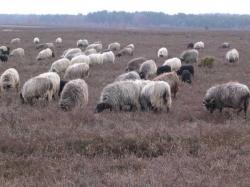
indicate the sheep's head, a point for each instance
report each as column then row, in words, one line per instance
column 102, row 106
column 209, row 104
column 142, row 75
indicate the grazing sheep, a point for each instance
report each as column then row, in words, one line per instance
column 4, row 50
column 225, row 45
column 232, row 95
column 96, row 46
column 90, row 51
column 45, row 46
column 60, row 66
column 108, row 57
column 232, row 56
column 172, row 79
column 199, row 45
column 95, row 59
column 36, row 88
column 189, row 56
column 62, row 84
column 58, row 42
column 125, row 51
column 17, row 52
column 132, row 46
column 36, row 40
column 82, row 43
column 163, row 69
column 9, row 79
column 55, row 79
column 74, row 93
column 15, row 41
column 188, row 67
column 162, row 52
column 135, row 63
column 76, row 71
column 80, row 59
column 156, row 96
column 174, row 63
column 118, row 95
column 186, row 76
column 132, row 75
column 70, row 53
column 147, row 69
column 115, row 46
column 45, row 54
column 190, row 45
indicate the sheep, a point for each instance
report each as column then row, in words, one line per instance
column 232, row 56
column 80, row 59
column 15, row 41
column 115, row 46
column 125, row 51
column 58, row 41
column 76, row 71
column 199, row 45
column 36, row 40
column 96, row 46
column 55, row 79
column 62, row 84
column 45, row 54
column 132, row 46
column 117, row 95
column 95, row 59
column 90, row 51
column 60, row 66
column 162, row 52
column 36, row 88
column 189, row 56
column 82, row 43
column 225, row 45
column 190, row 45
column 132, row 75
column 108, row 57
column 186, row 76
column 174, row 63
column 188, row 67
column 135, row 63
column 172, row 79
column 232, row 95
column 163, row 69
column 69, row 53
column 17, row 52
column 156, row 95
column 45, row 46
column 147, row 69
column 4, row 50
column 74, row 93
column 9, row 79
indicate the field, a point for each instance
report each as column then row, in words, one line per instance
column 41, row 145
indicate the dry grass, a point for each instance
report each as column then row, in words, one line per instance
column 43, row 146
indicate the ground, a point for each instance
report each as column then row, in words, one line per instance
column 41, row 145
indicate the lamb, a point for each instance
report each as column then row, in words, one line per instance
column 189, row 56
column 15, row 41
column 186, row 76
column 55, row 79
column 108, row 57
column 96, row 59
column 70, row 53
column 172, row 79
column 225, row 45
column 74, row 94
column 36, row 88
column 58, row 42
column 147, row 69
column 45, row 54
column 96, row 46
column 162, row 52
column 82, row 43
column 17, row 52
column 115, row 46
column 135, row 63
column 76, row 71
column 188, row 67
column 199, row 45
column 117, row 95
column 132, row 75
column 125, row 51
column 9, row 79
column 36, row 40
column 156, row 96
column 163, row 69
column 174, row 63
column 80, row 59
column 232, row 95
column 232, row 56
column 60, row 66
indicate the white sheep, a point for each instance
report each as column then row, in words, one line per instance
column 147, row 69
column 9, row 79
column 60, row 66
column 162, row 52
column 45, row 54
column 132, row 46
column 17, row 52
column 90, row 51
column 108, row 57
column 174, row 63
column 96, row 59
column 82, row 43
column 96, row 46
column 80, row 59
column 199, row 45
column 232, row 56
column 70, row 53
column 76, row 71
column 36, row 40
column 15, row 41
column 115, row 46
column 58, row 42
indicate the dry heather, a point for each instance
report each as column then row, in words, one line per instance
column 43, row 146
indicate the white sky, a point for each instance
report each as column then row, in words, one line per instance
column 86, row 6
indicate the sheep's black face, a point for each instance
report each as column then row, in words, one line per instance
column 142, row 75
column 102, row 106
column 210, row 105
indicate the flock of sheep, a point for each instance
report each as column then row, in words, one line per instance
column 143, row 86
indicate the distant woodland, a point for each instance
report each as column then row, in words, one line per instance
column 136, row 19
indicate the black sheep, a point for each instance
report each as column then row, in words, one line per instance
column 186, row 76
column 188, row 67
column 163, row 69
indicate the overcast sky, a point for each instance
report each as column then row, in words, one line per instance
column 86, row 6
